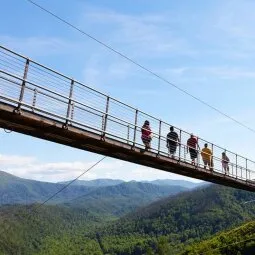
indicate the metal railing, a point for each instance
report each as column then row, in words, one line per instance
column 29, row 85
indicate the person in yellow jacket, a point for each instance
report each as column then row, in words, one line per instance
column 206, row 154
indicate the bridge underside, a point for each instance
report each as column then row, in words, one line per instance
column 48, row 129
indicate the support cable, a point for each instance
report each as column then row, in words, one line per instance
column 33, row 210
column 140, row 65
column 69, row 183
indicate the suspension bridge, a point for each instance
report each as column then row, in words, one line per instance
column 38, row 101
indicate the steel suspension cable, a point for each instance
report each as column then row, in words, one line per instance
column 69, row 183
column 140, row 65
column 33, row 210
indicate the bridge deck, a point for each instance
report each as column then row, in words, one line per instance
column 39, row 126
column 41, row 102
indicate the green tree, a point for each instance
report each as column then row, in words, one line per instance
column 163, row 246
column 149, row 251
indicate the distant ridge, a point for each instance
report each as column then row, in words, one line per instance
column 161, row 182
column 124, row 197
column 183, row 183
column 15, row 190
column 101, row 196
column 96, row 182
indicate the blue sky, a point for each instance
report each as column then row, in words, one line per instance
column 205, row 47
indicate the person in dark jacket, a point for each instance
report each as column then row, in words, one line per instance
column 172, row 141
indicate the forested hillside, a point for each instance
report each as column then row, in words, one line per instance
column 32, row 230
column 164, row 227
column 180, row 220
column 123, row 198
column 240, row 240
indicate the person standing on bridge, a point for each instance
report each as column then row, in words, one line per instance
column 172, row 141
column 224, row 162
column 146, row 135
column 192, row 146
column 206, row 154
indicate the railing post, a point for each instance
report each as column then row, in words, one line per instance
column 180, row 145
column 72, row 111
column 159, row 135
column 198, row 152
column 246, row 169
column 135, row 128
column 128, row 133
column 69, row 103
column 104, row 124
column 34, row 99
column 23, row 85
column 185, row 150
column 212, row 161
column 236, row 166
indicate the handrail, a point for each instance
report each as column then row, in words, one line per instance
column 27, row 83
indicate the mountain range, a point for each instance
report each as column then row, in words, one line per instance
column 96, row 182
column 123, row 219
column 123, row 198
column 174, row 225
column 15, row 190
column 112, row 182
column 102, row 196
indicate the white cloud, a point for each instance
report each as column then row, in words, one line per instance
column 34, row 46
column 236, row 19
column 227, row 31
column 31, row 168
column 15, row 161
column 140, row 37
column 113, row 71
column 146, row 35
column 222, row 72
column 231, row 73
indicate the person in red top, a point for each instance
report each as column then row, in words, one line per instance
column 192, row 146
column 146, row 135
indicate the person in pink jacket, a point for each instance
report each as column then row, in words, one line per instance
column 146, row 135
